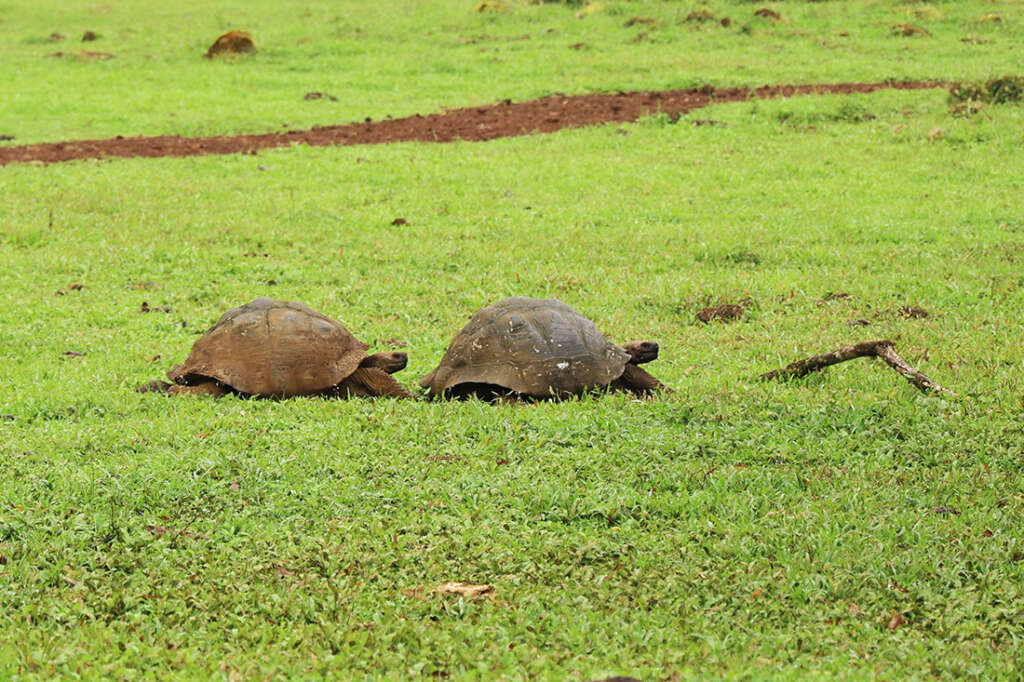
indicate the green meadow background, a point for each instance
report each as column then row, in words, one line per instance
column 842, row 526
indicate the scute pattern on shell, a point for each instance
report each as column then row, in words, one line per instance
column 273, row 348
column 534, row 347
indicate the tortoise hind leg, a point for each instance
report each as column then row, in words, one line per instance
column 638, row 381
column 154, row 387
column 211, row 388
column 369, row 382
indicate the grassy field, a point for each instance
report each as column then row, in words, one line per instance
column 406, row 57
column 844, row 525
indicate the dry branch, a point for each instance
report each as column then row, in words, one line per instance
column 885, row 350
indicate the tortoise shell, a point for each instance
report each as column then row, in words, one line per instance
column 273, row 348
column 533, row 347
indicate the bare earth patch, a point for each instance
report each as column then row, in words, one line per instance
column 472, row 124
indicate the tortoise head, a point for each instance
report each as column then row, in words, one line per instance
column 641, row 351
column 389, row 361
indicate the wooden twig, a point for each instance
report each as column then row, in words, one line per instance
column 886, row 350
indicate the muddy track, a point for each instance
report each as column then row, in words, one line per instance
column 505, row 119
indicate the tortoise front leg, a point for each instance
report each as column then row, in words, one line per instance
column 369, row 382
column 389, row 361
column 638, row 381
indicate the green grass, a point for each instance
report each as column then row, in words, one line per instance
column 409, row 56
column 733, row 529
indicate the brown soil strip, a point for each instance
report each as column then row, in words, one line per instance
column 505, row 119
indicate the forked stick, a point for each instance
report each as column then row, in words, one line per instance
column 879, row 349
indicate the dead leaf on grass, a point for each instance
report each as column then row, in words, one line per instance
column 896, row 620
column 464, row 589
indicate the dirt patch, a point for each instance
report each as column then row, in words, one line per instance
column 727, row 312
column 912, row 312
column 766, row 13
column 232, row 42
column 472, row 124
column 908, row 30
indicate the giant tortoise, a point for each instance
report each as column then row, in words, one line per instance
column 527, row 348
column 281, row 349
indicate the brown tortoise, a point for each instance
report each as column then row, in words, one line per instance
column 537, row 348
column 281, row 349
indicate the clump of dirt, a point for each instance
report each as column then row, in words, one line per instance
column 909, row 30
column 492, row 6
column 89, row 36
column 990, row 18
column 641, row 21
column 310, row 96
column 6, row 138
column 701, row 16
column 56, row 37
column 84, row 56
column 766, row 13
column 232, row 42
column 836, row 296
column 913, row 312
column 727, row 312
column 399, row 221
column 146, row 308
column 707, row 122
column 1001, row 90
